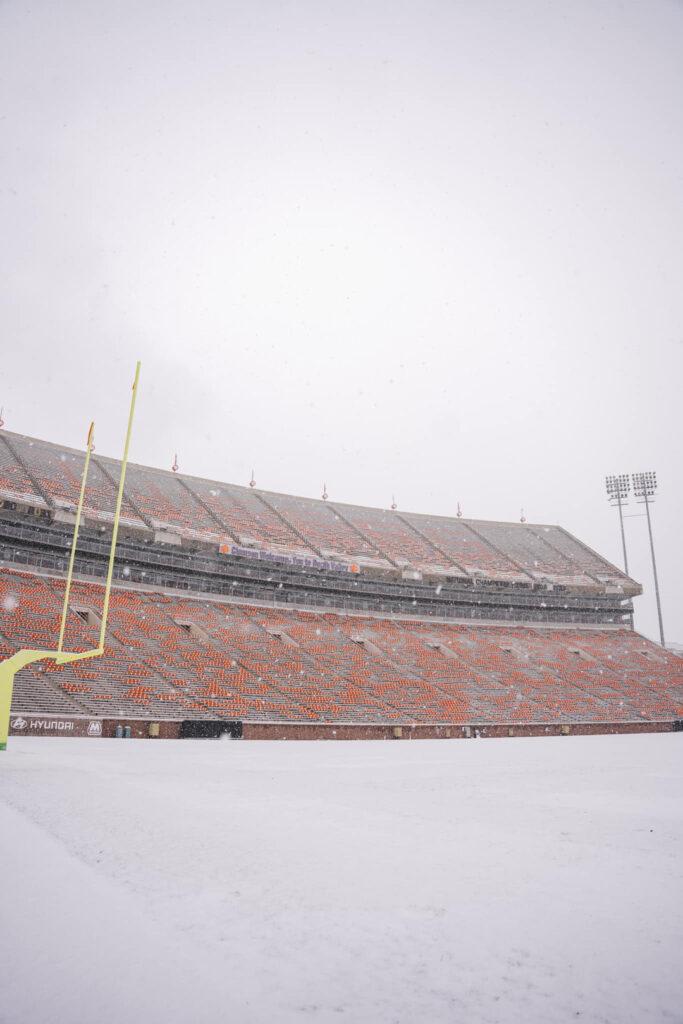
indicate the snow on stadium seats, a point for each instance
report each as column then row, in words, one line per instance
column 162, row 497
column 176, row 657
column 588, row 561
column 333, row 537
column 232, row 516
column 15, row 484
column 59, row 471
column 403, row 545
column 459, row 540
column 249, row 519
column 533, row 552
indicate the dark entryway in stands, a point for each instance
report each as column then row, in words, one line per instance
column 194, row 730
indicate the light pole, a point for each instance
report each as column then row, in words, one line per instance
column 644, row 487
column 618, row 488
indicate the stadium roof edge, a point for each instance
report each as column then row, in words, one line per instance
column 303, row 497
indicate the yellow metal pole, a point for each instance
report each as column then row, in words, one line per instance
column 73, row 545
column 7, row 669
column 124, row 463
column 10, row 666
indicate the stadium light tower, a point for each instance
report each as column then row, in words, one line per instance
column 644, row 487
column 618, row 488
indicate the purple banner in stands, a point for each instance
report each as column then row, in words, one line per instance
column 269, row 556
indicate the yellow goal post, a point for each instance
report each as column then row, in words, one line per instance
column 10, row 666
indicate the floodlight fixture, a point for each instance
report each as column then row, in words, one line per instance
column 618, row 487
column 644, row 484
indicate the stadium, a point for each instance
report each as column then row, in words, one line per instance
column 418, row 263
column 240, row 612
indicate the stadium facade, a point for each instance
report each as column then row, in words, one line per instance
column 267, row 615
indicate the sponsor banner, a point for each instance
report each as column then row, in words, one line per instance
column 269, row 556
column 29, row 725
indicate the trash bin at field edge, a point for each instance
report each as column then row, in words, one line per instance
column 119, row 732
column 153, row 731
column 126, row 732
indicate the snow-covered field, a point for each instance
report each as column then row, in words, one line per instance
column 525, row 880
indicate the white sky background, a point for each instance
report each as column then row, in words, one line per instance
column 425, row 249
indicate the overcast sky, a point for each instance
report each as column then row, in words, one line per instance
column 430, row 250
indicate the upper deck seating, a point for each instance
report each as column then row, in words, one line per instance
column 327, row 530
column 588, row 561
column 249, row 518
column 466, row 548
column 164, row 500
column 532, row 553
column 14, row 482
column 223, row 513
column 60, row 473
column 403, row 545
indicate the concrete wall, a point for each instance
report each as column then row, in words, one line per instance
column 296, row 731
column 95, row 728
column 139, row 728
column 90, row 727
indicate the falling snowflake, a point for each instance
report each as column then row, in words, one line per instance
column 9, row 603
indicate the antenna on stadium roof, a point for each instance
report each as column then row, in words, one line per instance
column 522, row 517
column 644, row 487
column 459, row 512
column 325, row 494
column 252, row 482
column 175, row 467
column 394, row 506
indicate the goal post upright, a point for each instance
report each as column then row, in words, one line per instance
column 79, row 510
column 119, row 499
column 10, row 666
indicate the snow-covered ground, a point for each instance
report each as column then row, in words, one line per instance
column 525, row 880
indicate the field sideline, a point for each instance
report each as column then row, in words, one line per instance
column 535, row 880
